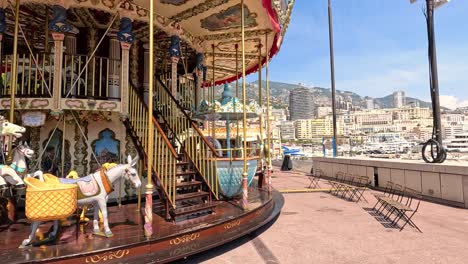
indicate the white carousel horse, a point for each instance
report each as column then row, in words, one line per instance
column 104, row 179
column 11, row 172
column 10, row 129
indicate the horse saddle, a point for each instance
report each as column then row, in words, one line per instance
column 87, row 186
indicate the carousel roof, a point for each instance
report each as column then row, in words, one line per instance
column 201, row 24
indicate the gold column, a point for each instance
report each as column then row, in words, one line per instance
column 260, row 99
column 245, row 202
column 149, row 185
column 14, row 74
column 268, row 128
column 46, row 30
column 213, row 123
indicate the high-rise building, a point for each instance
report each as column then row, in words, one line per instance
column 370, row 103
column 399, row 99
column 301, row 104
column 287, row 130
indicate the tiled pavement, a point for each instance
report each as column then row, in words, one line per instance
column 321, row 228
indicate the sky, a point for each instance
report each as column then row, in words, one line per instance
column 380, row 47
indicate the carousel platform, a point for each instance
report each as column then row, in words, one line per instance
column 170, row 241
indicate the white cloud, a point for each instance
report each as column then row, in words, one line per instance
column 452, row 102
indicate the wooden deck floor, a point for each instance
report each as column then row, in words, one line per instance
column 129, row 241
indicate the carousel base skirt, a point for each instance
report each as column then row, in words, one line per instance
column 170, row 241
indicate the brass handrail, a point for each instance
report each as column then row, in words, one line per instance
column 190, row 138
column 165, row 157
column 162, row 82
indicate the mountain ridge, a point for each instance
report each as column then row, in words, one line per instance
column 279, row 95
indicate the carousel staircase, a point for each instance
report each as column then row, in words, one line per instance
column 186, row 193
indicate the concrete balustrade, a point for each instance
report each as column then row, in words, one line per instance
column 445, row 183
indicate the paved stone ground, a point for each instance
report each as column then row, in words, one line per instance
column 321, row 228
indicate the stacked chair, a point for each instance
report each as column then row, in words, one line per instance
column 314, row 178
column 399, row 203
column 350, row 187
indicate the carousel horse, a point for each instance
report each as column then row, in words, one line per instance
column 11, row 172
column 74, row 175
column 10, row 129
column 104, row 180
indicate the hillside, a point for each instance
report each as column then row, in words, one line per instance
column 279, row 94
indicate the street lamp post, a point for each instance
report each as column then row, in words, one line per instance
column 438, row 154
column 332, row 71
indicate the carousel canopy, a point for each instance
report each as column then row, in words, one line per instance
column 203, row 25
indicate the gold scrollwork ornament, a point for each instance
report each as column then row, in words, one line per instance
column 107, row 256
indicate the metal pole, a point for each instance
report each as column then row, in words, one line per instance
column 433, row 68
column 46, row 29
column 268, row 128
column 332, row 68
column 213, row 123
column 14, row 74
column 149, row 185
column 260, row 101
column 245, row 202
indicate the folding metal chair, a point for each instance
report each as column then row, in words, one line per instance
column 334, row 183
column 361, row 186
column 402, row 211
column 387, row 192
column 315, row 178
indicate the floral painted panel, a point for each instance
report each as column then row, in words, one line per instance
column 229, row 18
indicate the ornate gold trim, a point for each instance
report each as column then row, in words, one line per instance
column 232, row 224
column 107, row 256
column 184, row 239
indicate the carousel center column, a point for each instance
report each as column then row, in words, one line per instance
column 146, row 72
column 198, row 75
column 70, row 59
column 114, row 67
column 126, row 38
column 58, row 26
column 174, row 52
column 3, row 27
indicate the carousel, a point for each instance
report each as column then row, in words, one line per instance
column 126, row 131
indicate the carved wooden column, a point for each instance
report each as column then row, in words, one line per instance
column 58, row 26
column 126, row 38
column 174, row 51
column 146, row 72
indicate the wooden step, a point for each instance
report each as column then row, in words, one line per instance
column 193, row 209
column 188, row 183
column 182, row 163
column 192, row 195
column 183, row 173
